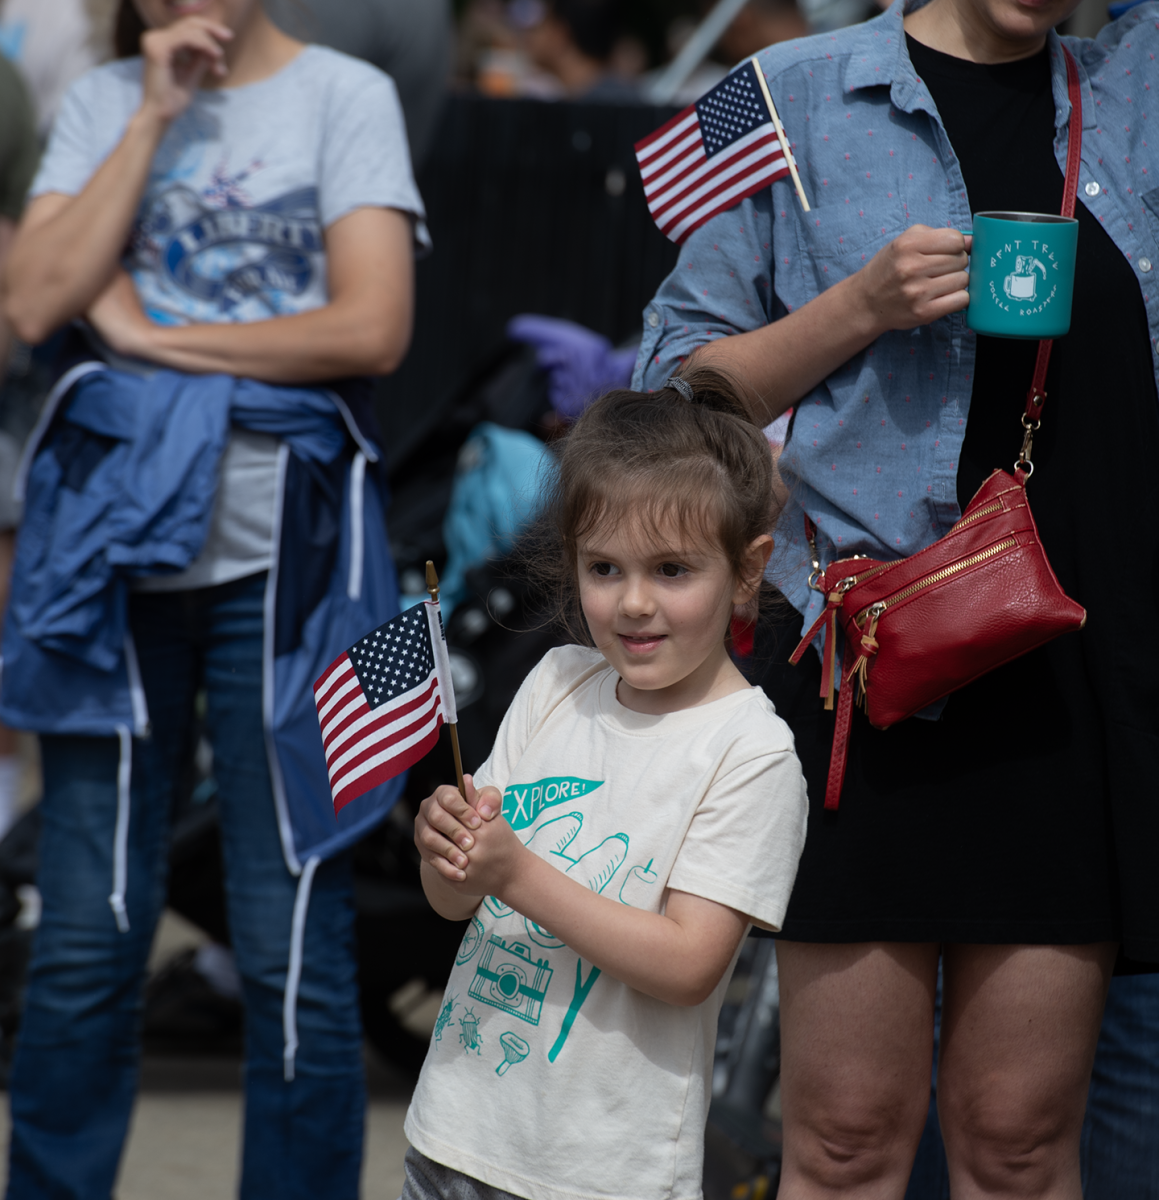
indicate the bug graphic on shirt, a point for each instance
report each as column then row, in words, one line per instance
column 470, row 1037
column 444, row 1018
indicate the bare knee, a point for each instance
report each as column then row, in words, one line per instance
column 847, row 1146
column 1007, row 1143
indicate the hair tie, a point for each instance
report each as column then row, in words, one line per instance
column 680, row 385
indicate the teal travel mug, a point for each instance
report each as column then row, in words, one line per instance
column 1022, row 274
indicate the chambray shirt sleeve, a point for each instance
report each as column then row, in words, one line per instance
column 722, row 284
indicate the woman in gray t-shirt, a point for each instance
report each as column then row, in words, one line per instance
column 228, row 201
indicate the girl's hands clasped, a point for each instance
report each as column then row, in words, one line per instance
column 467, row 842
column 176, row 62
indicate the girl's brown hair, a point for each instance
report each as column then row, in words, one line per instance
column 656, row 459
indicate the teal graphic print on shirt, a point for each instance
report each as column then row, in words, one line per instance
column 507, row 978
column 444, row 1018
column 578, row 997
column 470, row 1037
column 523, row 802
column 594, row 868
column 514, row 975
column 635, row 888
column 515, row 1050
column 471, row 942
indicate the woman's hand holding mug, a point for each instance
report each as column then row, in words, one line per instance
column 916, row 279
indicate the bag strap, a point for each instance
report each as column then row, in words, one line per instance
column 1036, row 397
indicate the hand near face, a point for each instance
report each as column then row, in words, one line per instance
column 177, row 59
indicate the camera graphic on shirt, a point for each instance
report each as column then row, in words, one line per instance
column 508, row 979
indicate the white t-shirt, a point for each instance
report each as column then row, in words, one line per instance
column 546, row 1078
column 230, row 225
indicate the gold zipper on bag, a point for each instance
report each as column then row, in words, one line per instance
column 982, row 512
column 937, row 577
column 851, row 581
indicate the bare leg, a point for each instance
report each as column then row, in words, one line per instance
column 1019, row 1028
column 857, row 1032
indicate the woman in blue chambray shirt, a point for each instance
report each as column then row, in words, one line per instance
column 1013, row 835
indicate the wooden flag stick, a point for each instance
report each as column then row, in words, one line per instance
column 433, row 588
column 780, row 133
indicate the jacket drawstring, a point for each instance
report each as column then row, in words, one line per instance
column 357, row 532
column 121, row 834
column 294, row 973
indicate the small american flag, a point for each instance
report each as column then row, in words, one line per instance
column 712, row 155
column 380, row 704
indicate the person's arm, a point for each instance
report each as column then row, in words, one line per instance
column 917, row 279
column 469, row 851
column 69, row 247
column 364, row 329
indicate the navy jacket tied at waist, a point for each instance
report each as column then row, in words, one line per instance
column 121, row 485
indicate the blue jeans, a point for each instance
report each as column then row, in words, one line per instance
column 1120, row 1138
column 1121, row 1133
column 75, row 1073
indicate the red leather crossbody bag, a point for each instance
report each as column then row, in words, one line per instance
column 921, row 627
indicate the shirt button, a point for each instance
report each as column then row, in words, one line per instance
column 653, row 319
column 1092, row 188
column 1144, row 265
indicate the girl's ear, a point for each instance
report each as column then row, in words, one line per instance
column 755, row 560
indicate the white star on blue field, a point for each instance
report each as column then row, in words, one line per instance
column 733, row 109
column 395, row 657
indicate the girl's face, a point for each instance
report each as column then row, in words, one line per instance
column 659, row 613
column 233, row 13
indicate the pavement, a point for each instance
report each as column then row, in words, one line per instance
column 184, row 1143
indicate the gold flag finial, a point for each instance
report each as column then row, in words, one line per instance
column 432, row 581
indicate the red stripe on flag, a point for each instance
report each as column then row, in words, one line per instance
column 370, row 753
column 685, row 150
column 332, row 737
column 705, row 214
column 642, row 147
column 387, row 770
column 692, row 162
column 678, row 222
column 729, row 172
column 326, row 679
column 704, row 168
column 330, row 685
column 385, row 754
column 385, row 728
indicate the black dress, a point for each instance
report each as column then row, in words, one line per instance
column 1030, row 812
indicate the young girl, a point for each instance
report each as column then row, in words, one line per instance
column 643, row 805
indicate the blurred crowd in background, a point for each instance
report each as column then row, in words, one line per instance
column 591, row 49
